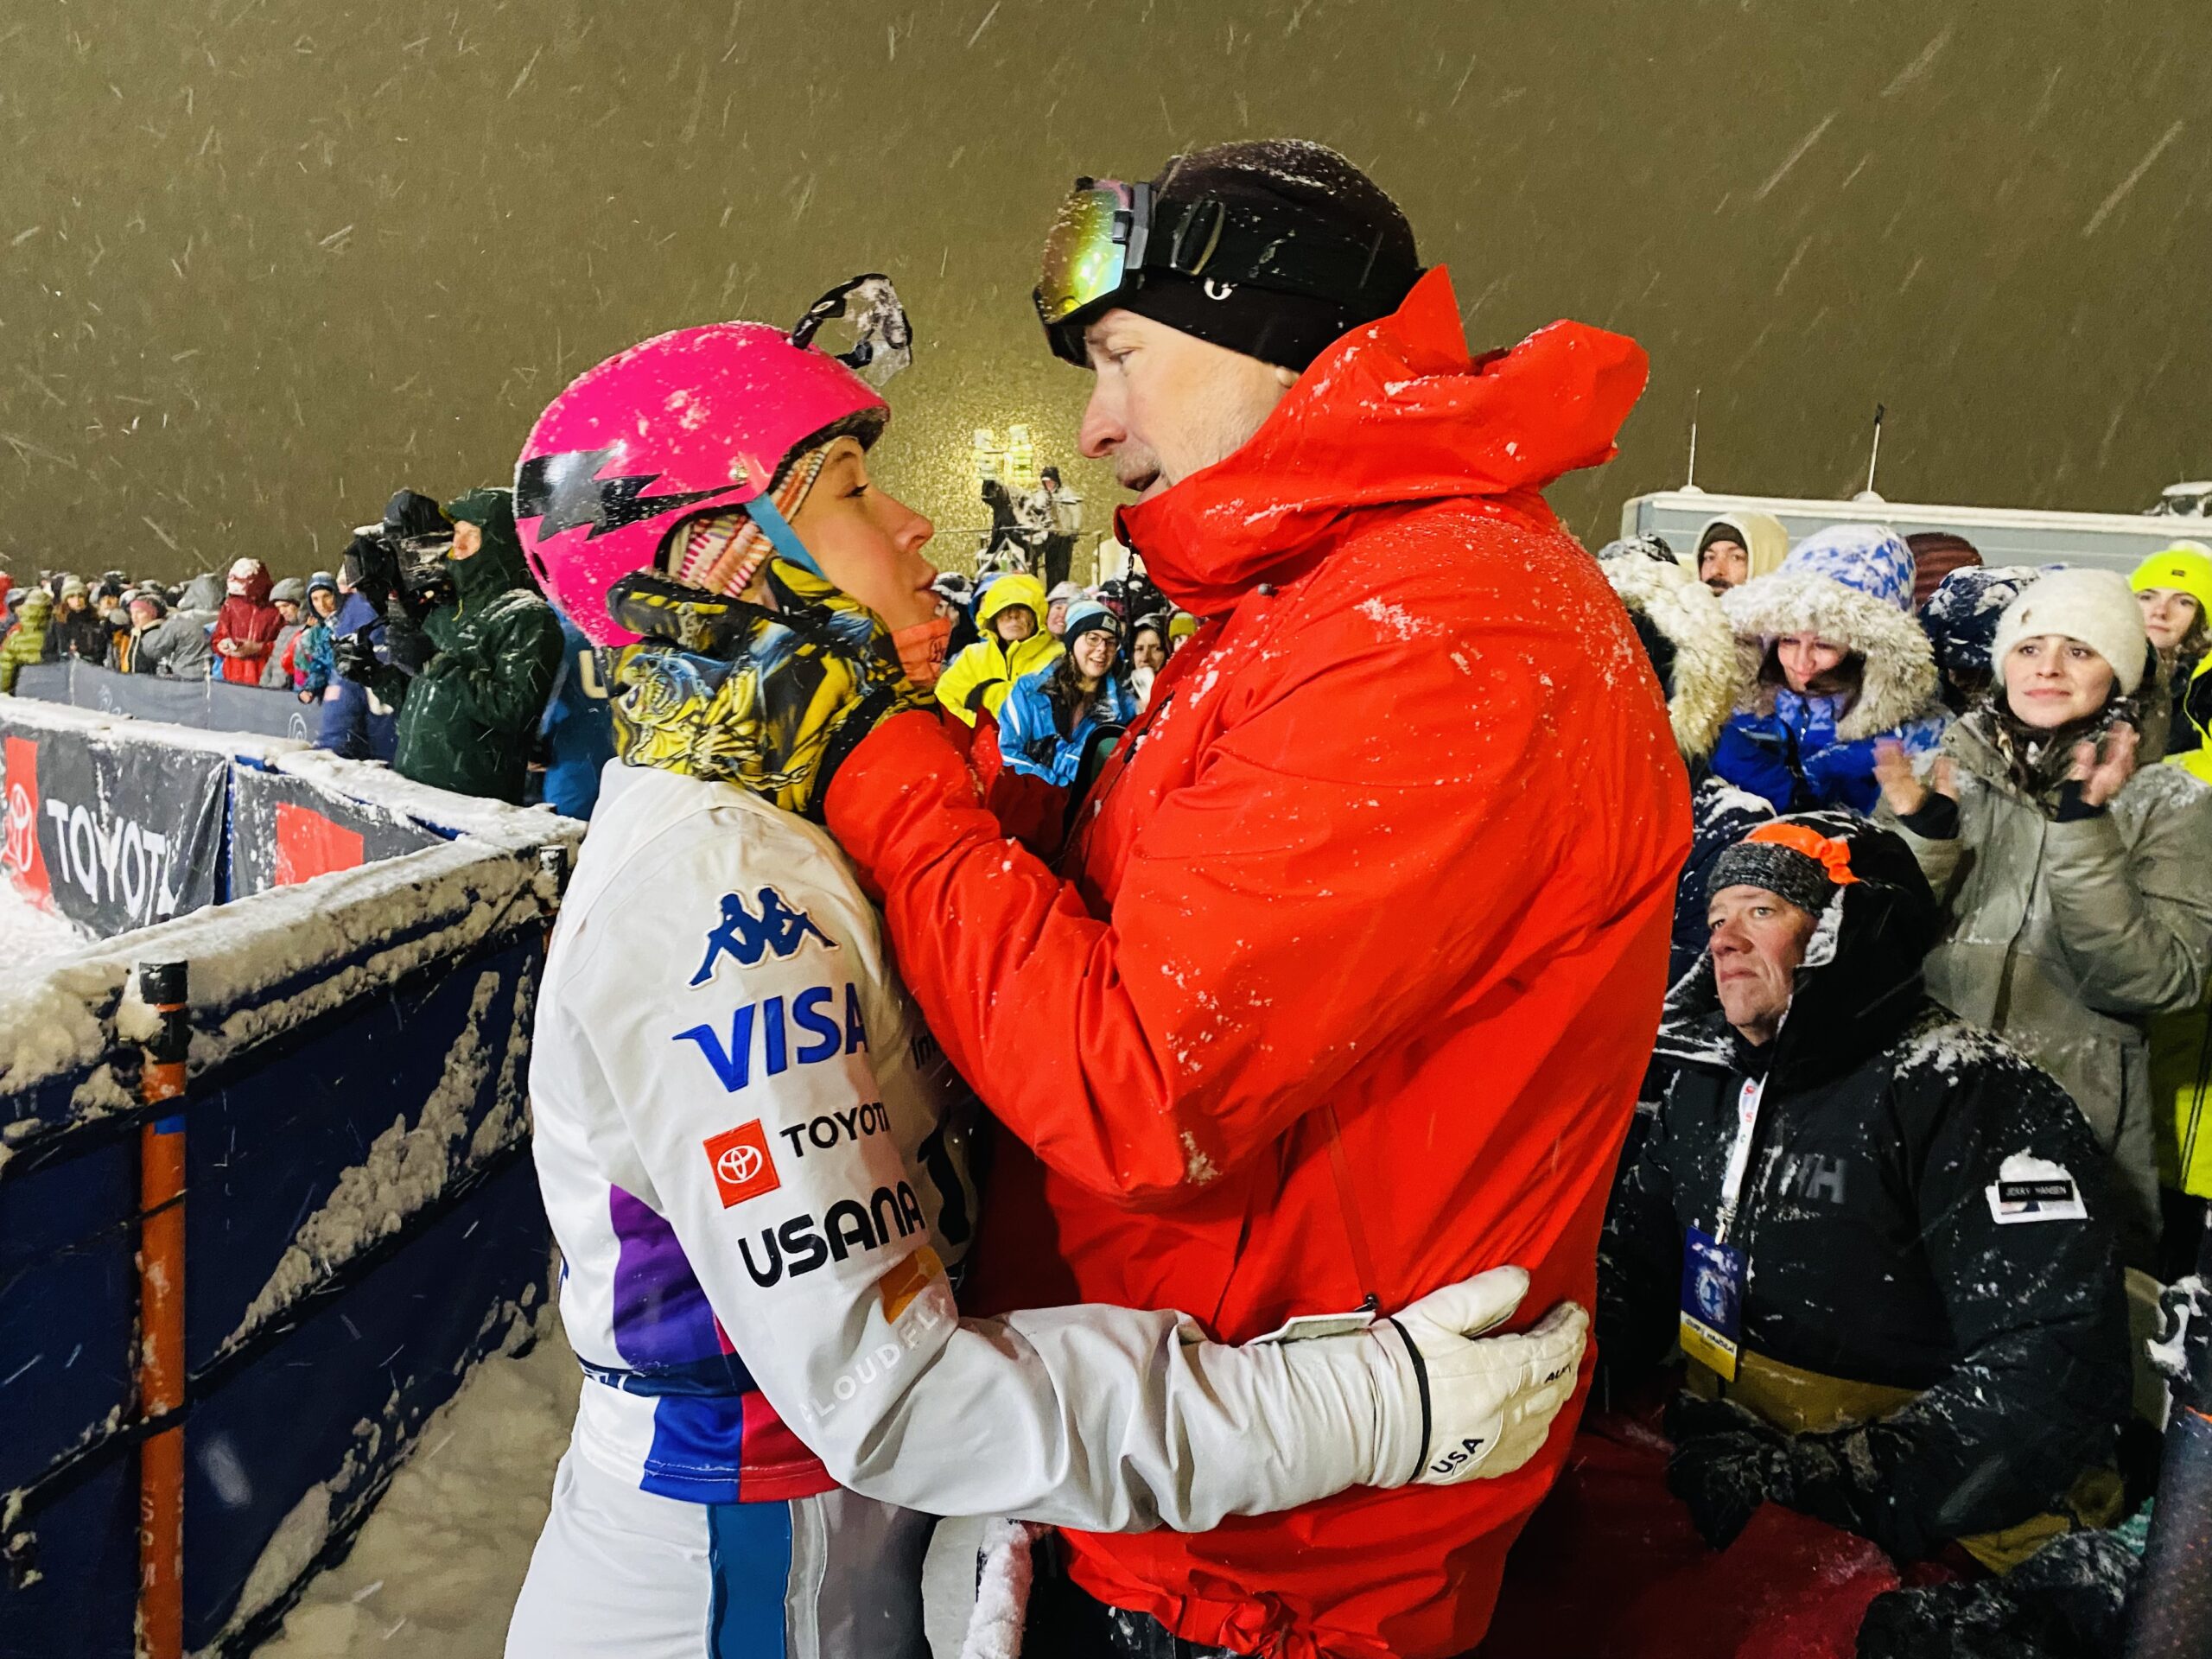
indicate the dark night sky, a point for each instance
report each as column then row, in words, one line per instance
column 261, row 261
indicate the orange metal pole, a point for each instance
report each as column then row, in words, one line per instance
column 160, row 1320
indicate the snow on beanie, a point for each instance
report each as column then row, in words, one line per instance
column 1873, row 559
column 1789, row 858
column 1271, row 324
column 1652, row 547
column 1961, row 616
column 2095, row 607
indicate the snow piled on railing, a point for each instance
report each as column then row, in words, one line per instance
column 263, row 965
column 434, row 809
column 100, row 725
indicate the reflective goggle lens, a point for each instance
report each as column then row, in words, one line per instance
column 1084, row 256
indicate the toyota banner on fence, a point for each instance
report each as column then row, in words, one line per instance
column 114, row 835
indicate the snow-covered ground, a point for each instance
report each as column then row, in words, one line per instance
column 433, row 1573
column 29, row 935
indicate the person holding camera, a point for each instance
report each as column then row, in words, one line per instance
column 472, row 648
column 2072, row 864
column 358, row 722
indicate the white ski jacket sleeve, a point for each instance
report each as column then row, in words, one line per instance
column 721, row 1009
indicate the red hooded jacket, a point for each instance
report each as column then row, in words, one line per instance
column 1356, row 959
column 248, row 618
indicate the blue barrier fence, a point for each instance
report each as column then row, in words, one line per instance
column 207, row 704
column 362, row 1222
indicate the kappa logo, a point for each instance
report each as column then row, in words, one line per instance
column 742, row 1167
column 778, row 930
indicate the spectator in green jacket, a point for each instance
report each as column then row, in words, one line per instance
column 27, row 643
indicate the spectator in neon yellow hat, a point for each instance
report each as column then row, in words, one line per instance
column 2175, row 590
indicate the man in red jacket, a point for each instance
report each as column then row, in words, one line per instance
column 1344, row 985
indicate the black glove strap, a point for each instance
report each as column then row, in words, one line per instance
column 1420, row 1382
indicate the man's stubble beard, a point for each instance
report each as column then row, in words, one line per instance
column 1216, row 433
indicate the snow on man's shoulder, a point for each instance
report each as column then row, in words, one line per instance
column 1953, row 1051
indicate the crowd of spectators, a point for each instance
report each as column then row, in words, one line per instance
column 443, row 664
column 1925, row 1136
column 241, row 625
column 430, row 648
column 1052, row 680
column 1924, row 1139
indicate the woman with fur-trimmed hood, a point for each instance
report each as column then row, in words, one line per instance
column 1842, row 665
column 1704, row 674
column 1687, row 635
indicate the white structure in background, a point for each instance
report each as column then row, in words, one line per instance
column 2114, row 541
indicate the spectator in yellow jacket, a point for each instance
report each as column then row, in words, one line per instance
column 1015, row 643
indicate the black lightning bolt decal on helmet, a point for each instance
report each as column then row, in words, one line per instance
column 566, row 491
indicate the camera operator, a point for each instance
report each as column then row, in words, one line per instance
column 360, row 706
column 471, row 649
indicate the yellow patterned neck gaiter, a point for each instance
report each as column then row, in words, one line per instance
column 734, row 692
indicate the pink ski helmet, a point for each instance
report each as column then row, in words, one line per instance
column 694, row 421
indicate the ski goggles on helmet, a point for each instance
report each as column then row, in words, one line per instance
column 1109, row 235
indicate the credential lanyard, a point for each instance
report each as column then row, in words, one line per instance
column 1739, row 1155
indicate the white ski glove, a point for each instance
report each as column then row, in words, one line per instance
column 1490, row 1401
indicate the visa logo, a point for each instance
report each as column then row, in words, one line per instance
column 765, row 1029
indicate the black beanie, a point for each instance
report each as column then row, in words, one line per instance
column 1787, row 875
column 1801, row 859
column 1270, row 324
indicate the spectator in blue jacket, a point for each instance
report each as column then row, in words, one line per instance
column 355, row 723
column 1052, row 717
column 578, row 728
column 1842, row 664
column 311, row 656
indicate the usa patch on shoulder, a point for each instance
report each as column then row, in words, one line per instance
column 2034, row 1189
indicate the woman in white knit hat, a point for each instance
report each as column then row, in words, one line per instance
column 2074, row 867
